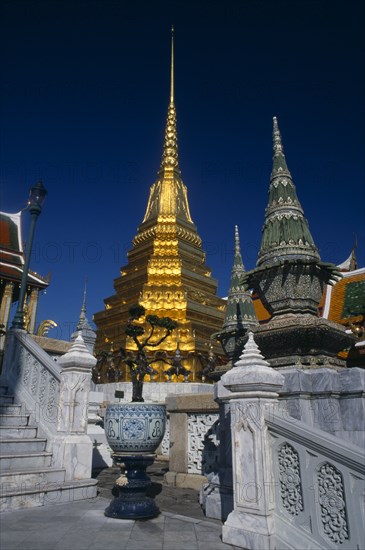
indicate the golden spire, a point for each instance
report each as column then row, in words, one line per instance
column 172, row 66
column 168, row 195
column 170, row 153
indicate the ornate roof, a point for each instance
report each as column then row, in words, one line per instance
column 285, row 234
column 350, row 264
column 11, row 252
column 344, row 302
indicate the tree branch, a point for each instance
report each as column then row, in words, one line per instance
column 155, row 344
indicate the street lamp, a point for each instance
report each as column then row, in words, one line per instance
column 36, row 199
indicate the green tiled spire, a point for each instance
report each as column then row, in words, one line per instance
column 285, row 234
column 240, row 313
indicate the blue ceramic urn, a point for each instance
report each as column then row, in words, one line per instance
column 135, row 427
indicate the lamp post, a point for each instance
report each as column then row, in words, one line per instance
column 36, row 199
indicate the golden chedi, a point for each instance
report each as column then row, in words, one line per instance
column 166, row 271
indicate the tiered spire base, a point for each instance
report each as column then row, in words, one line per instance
column 303, row 341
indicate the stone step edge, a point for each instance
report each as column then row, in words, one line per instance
column 14, row 415
column 23, row 439
column 25, row 454
column 5, row 427
column 26, row 416
column 41, row 470
column 51, row 487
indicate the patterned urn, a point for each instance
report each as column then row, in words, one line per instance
column 136, row 428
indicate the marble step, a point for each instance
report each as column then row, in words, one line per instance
column 14, row 419
column 28, row 445
column 23, row 461
column 22, row 432
column 48, row 494
column 10, row 409
column 30, row 478
column 5, row 399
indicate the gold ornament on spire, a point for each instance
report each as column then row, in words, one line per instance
column 170, row 153
column 168, row 195
column 172, row 66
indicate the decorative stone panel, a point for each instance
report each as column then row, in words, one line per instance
column 165, row 445
column 203, row 442
column 332, row 503
column 290, row 481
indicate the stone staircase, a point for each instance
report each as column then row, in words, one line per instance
column 27, row 477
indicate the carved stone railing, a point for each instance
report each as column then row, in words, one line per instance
column 294, row 486
column 319, row 486
column 56, row 396
column 34, row 379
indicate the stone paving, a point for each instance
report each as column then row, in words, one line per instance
column 168, row 499
column 83, row 526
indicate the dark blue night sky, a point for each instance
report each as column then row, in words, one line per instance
column 84, row 97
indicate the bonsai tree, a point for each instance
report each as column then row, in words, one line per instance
column 139, row 364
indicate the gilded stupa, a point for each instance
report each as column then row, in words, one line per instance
column 166, row 271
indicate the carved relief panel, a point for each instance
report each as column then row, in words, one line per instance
column 203, row 441
column 290, row 480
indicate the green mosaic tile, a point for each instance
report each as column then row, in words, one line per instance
column 354, row 301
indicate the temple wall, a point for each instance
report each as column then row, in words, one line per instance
column 152, row 391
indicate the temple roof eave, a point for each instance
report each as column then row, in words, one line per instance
column 14, row 273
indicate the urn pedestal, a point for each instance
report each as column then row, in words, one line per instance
column 134, row 431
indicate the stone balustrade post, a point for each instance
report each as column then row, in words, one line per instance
column 252, row 387
column 72, row 447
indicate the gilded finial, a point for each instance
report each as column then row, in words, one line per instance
column 278, row 146
column 236, row 241
column 172, row 66
column 170, row 152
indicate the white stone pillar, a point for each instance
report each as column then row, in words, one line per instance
column 253, row 387
column 72, row 447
